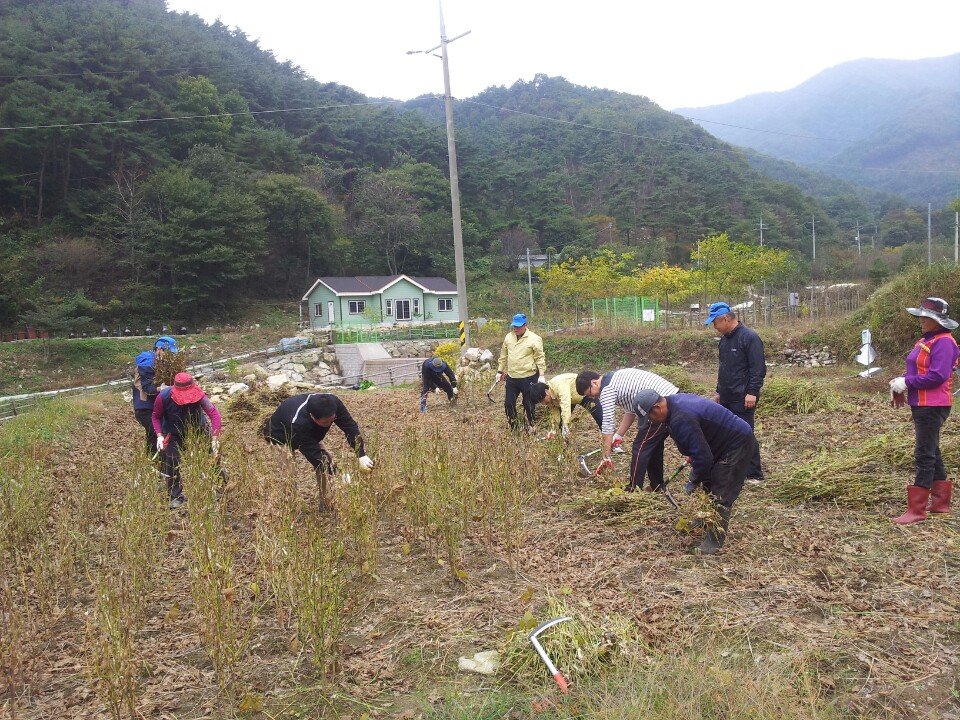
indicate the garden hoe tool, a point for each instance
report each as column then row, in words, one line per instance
column 557, row 675
column 490, row 391
column 584, row 471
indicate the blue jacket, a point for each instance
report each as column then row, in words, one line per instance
column 704, row 430
column 144, row 390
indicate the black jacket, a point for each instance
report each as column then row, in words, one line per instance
column 742, row 366
column 291, row 422
column 428, row 373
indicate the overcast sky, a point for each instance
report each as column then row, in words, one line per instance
column 678, row 53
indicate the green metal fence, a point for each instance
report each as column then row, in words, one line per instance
column 635, row 309
column 410, row 332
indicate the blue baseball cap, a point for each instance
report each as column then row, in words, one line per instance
column 519, row 320
column 165, row 342
column 716, row 310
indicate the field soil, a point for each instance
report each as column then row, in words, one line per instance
column 871, row 608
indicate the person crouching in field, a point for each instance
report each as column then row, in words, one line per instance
column 177, row 410
column 718, row 444
column 436, row 373
column 926, row 385
column 302, row 422
column 560, row 395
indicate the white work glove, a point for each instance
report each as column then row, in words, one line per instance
column 499, row 376
column 617, row 442
column 898, row 384
column 542, row 379
column 160, row 443
column 437, row 391
column 366, row 464
column 215, row 445
column 456, row 391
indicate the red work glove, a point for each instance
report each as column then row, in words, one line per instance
column 550, row 435
column 606, row 464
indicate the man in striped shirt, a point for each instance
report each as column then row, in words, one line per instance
column 618, row 388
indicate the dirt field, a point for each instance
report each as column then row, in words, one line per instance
column 871, row 607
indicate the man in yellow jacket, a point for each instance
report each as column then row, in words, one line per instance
column 560, row 394
column 521, row 364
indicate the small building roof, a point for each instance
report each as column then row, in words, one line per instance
column 373, row 284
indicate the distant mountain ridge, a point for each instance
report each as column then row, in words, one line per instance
column 892, row 125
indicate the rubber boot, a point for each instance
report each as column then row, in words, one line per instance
column 716, row 534
column 917, row 499
column 940, row 494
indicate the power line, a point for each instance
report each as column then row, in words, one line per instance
column 54, row 126
column 31, row 76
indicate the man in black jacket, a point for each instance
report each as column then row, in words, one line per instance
column 741, row 372
column 302, row 422
column 432, row 374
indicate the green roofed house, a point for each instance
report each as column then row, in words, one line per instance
column 364, row 300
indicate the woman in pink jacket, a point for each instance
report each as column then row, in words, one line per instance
column 927, row 384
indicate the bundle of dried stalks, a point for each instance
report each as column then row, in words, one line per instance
column 861, row 475
column 166, row 366
column 258, row 403
column 798, row 396
column 583, row 647
column 698, row 512
column 617, row 507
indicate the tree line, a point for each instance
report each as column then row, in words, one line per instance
column 153, row 165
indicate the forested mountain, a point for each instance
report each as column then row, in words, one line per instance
column 152, row 166
column 892, row 125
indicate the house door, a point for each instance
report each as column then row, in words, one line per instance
column 330, row 318
column 402, row 309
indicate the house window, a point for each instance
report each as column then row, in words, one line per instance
column 445, row 304
column 318, row 309
column 416, row 306
column 357, row 307
column 390, row 307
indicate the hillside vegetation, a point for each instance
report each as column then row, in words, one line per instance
column 152, row 166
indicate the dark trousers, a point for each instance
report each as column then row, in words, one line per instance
column 927, row 460
column 593, row 407
column 647, row 456
column 519, row 387
column 431, row 381
column 729, row 472
column 171, row 466
column 754, row 470
column 145, row 418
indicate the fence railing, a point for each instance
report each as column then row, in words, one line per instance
column 13, row 405
column 413, row 332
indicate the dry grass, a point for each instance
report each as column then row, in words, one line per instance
column 463, row 535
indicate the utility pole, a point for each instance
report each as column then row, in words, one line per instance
column 762, row 228
column 530, row 282
column 858, row 237
column 956, row 238
column 813, row 230
column 454, row 181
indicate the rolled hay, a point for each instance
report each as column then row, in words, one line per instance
column 860, row 475
column 797, row 396
column 581, row 648
column 617, row 507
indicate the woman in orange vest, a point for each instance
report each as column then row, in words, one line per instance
column 926, row 388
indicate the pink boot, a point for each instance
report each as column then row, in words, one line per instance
column 940, row 496
column 917, row 499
